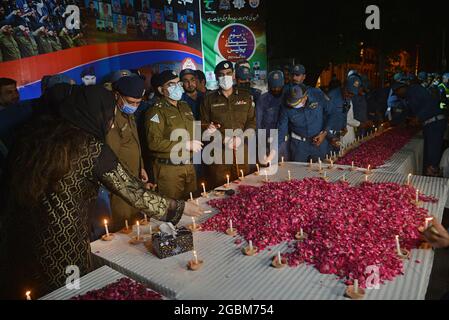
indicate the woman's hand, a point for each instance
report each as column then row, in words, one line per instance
column 191, row 209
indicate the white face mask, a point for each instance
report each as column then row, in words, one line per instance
column 89, row 80
column 226, row 82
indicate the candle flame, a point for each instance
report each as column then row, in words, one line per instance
column 105, row 221
column 137, row 223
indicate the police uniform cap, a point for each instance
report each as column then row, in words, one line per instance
column 298, row 70
column 354, row 84
column 166, row 76
column 186, row 72
column 120, row 74
column 276, row 79
column 133, row 86
column 224, row 65
column 422, row 75
column 295, row 95
column 88, row 72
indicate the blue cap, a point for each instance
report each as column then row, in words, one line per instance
column 354, row 84
column 446, row 76
column 90, row 71
column 57, row 79
column 224, row 65
column 298, row 70
column 276, row 79
column 133, row 86
column 400, row 77
column 295, row 95
column 243, row 73
column 186, row 72
column 120, row 74
column 422, row 76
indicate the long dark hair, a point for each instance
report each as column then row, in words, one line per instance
column 43, row 154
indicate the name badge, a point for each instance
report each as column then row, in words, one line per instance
column 218, row 105
column 240, row 103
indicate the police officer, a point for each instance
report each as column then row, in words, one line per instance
column 191, row 95
column 172, row 166
column 268, row 109
column 228, row 108
column 341, row 103
column 8, row 46
column 124, row 141
column 26, row 42
column 43, row 40
column 54, row 41
column 298, row 74
column 397, row 111
column 243, row 77
column 422, row 78
column 423, row 106
column 309, row 117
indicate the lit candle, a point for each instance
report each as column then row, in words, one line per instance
column 332, row 163
column 28, row 295
column 301, row 233
column 230, row 225
column 352, row 164
column 289, row 175
column 311, row 163
column 204, row 188
column 258, row 168
column 369, row 168
column 251, row 245
column 356, row 286
column 106, row 227
column 194, row 223
column 227, row 179
column 126, row 224
column 195, row 257
column 366, row 178
column 325, row 174
column 282, row 160
column 398, row 246
column 409, row 179
column 266, row 175
column 321, row 166
column 138, row 230
column 279, row 257
column 191, row 196
column 243, row 175
column 417, row 196
column 327, row 157
column 428, row 220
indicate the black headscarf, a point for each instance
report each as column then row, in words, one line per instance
column 90, row 108
column 53, row 99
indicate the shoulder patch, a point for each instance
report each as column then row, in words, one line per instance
column 155, row 119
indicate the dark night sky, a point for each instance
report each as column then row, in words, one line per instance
column 309, row 30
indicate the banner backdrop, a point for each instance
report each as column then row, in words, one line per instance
column 46, row 37
column 234, row 30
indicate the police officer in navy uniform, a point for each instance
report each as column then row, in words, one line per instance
column 268, row 109
column 309, row 117
column 422, row 105
column 243, row 77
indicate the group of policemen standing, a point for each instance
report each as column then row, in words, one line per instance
column 311, row 123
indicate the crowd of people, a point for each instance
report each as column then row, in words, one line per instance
column 59, row 150
column 29, row 28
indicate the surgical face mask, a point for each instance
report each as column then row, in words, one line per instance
column 127, row 108
column 226, row 82
column 175, row 92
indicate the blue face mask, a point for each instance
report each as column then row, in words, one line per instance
column 175, row 92
column 127, row 108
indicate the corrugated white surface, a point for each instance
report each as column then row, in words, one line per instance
column 227, row 274
column 408, row 160
column 95, row 280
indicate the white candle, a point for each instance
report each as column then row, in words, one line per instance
column 195, row 257
column 332, row 163
column 28, row 295
column 301, row 233
column 151, row 230
column 344, row 177
column 428, row 220
column 145, row 218
column 369, row 168
column 258, row 168
column 289, row 175
column 126, row 224
column 366, row 178
column 311, row 162
column 197, row 202
column 204, row 188
column 243, row 175
column 398, row 246
column 106, row 227
column 325, row 174
column 352, row 164
column 356, row 286
column 227, row 179
column 251, row 245
column 230, row 225
column 327, row 157
column 194, row 223
column 279, row 257
column 191, row 196
column 409, row 179
column 282, row 160
column 138, row 230
column 266, row 176
column 417, row 196
column 321, row 166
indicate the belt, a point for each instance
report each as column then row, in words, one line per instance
column 434, row 119
column 170, row 163
column 298, row 137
